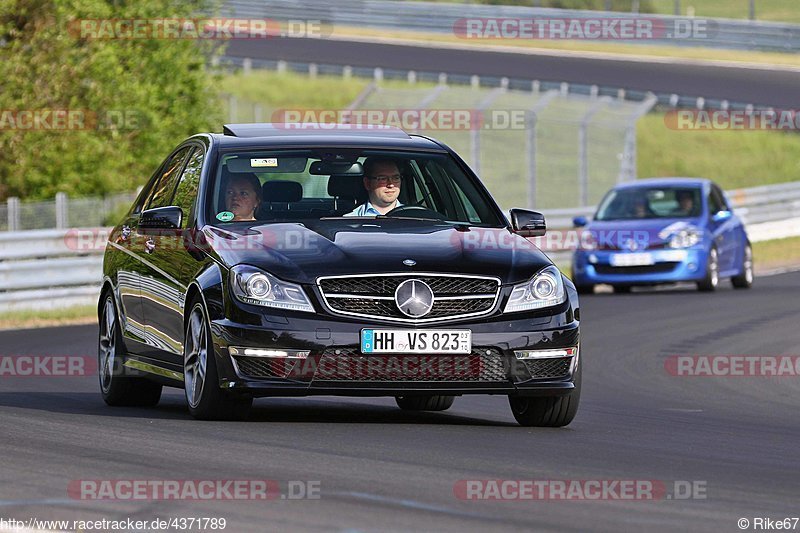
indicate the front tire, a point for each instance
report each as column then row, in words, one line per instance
column 548, row 411
column 206, row 400
column 117, row 389
column 745, row 279
column 711, row 280
column 424, row 403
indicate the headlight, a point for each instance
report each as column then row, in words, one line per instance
column 685, row 238
column 545, row 289
column 253, row 286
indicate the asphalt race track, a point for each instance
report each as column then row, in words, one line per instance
column 382, row 469
column 774, row 88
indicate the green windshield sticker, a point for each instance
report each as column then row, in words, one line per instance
column 225, row 216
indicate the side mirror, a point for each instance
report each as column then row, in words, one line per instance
column 721, row 216
column 528, row 223
column 161, row 218
column 580, row 222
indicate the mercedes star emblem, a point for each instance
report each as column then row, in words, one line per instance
column 414, row 298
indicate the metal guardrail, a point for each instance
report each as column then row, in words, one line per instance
column 56, row 268
column 441, row 18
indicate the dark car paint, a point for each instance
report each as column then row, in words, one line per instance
column 153, row 291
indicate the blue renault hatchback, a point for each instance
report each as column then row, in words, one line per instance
column 663, row 230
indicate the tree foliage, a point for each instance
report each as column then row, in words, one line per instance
column 147, row 95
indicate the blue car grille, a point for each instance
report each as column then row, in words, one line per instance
column 658, row 268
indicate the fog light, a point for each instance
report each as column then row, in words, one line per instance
column 593, row 259
column 545, row 354
column 692, row 267
column 261, row 352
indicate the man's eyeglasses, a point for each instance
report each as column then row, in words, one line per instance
column 394, row 179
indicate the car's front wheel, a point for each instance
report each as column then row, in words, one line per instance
column 207, row 401
column 711, row 280
column 745, row 279
column 547, row 411
column 116, row 388
column 424, row 403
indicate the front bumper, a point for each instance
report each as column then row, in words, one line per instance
column 331, row 362
column 668, row 266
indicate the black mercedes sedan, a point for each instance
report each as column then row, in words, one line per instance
column 277, row 260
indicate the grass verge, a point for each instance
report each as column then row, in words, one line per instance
column 776, row 254
column 42, row 318
column 734, row 159
column 766, row 10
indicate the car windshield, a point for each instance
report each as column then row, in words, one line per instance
column 650, row 202
column 296, row 185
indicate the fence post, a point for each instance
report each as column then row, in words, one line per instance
column 627, row 169
column 233, row 109
column 61, row 211
column 530, row 142
column 247, row 66
column 313, row 69
column 13, row 214
column 476, row 123
column 257, row 113
column 347, row 72
column 583, row 150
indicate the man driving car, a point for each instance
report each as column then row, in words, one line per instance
column 382, row 179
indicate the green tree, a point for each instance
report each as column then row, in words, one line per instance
column 147, row 95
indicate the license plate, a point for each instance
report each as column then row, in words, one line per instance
column 454, row 341
column 629, row 260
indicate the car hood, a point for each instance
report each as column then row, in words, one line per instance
column 302, row 252
column 653, row 231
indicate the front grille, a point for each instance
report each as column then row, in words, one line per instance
column 557, row 367
column 387, row 308
column 658, row 268
column 373, row 296
column 386, row 285
column 350, row 365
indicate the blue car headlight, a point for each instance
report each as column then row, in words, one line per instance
column 254, row 286
column 685, row 238
column 545, row 289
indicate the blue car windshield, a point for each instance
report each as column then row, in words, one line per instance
column 650, row 202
